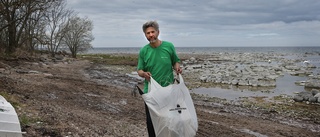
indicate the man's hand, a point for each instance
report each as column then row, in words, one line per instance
column 177, row 68
column 145, row 75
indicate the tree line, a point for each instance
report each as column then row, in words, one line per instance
column 30, row 25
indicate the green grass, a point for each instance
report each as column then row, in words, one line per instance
column 27, row 120
column 112, row 59
column 10, row 99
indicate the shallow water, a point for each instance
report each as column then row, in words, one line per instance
column 284, row 86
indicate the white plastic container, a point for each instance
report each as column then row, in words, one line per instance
column 9, row 121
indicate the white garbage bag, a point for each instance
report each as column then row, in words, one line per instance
column 171, row 109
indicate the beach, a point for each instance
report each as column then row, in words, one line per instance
column 90, row 97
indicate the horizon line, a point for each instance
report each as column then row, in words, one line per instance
column 225, row 47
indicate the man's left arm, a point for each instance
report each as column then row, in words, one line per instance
column 176, row 60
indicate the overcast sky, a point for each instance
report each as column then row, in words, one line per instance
column 204, row 23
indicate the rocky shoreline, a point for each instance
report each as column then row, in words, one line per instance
column 252, row 69
column 255, row 70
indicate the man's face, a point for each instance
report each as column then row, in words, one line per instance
column 151, row 34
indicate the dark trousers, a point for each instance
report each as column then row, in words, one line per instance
column 149, row 123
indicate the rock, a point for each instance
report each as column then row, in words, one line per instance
column 43, row 59
column 304, row 96
column 196, row 66
column 22, row 71
column 300, row 83
column 34, row 64
column 135, row 76
column 234, row 82
column 242, row 82
column 47, row 74
column 203, row 78
column 192, row 58
column 2, row 70
column 317, row 96
column 298, row 98
column 273, row 77
column 43, row 65
column 301, row 73
column 312, row 83
column 33, row 72
column 59, row 57
column 314, row 92
column 292, row 67
column 311, row 66
column 313, row 99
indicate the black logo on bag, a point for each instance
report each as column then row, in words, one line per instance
column 178, row 108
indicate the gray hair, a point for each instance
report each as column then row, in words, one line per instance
column 148, row 24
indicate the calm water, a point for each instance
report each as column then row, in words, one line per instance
column 214, row 50
column 285, row 84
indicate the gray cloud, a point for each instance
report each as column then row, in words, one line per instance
column 205, row 22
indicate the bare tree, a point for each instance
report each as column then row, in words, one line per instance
column 78, row 35
column 56, row 17
column 15, row 16
column 25, row 24
column 11, row 19
column 34, row 29
column 3, row 37
column 15, row 13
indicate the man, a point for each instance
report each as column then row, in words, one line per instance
column 157, row 59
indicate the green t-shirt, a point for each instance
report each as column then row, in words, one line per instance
column 159, row 62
